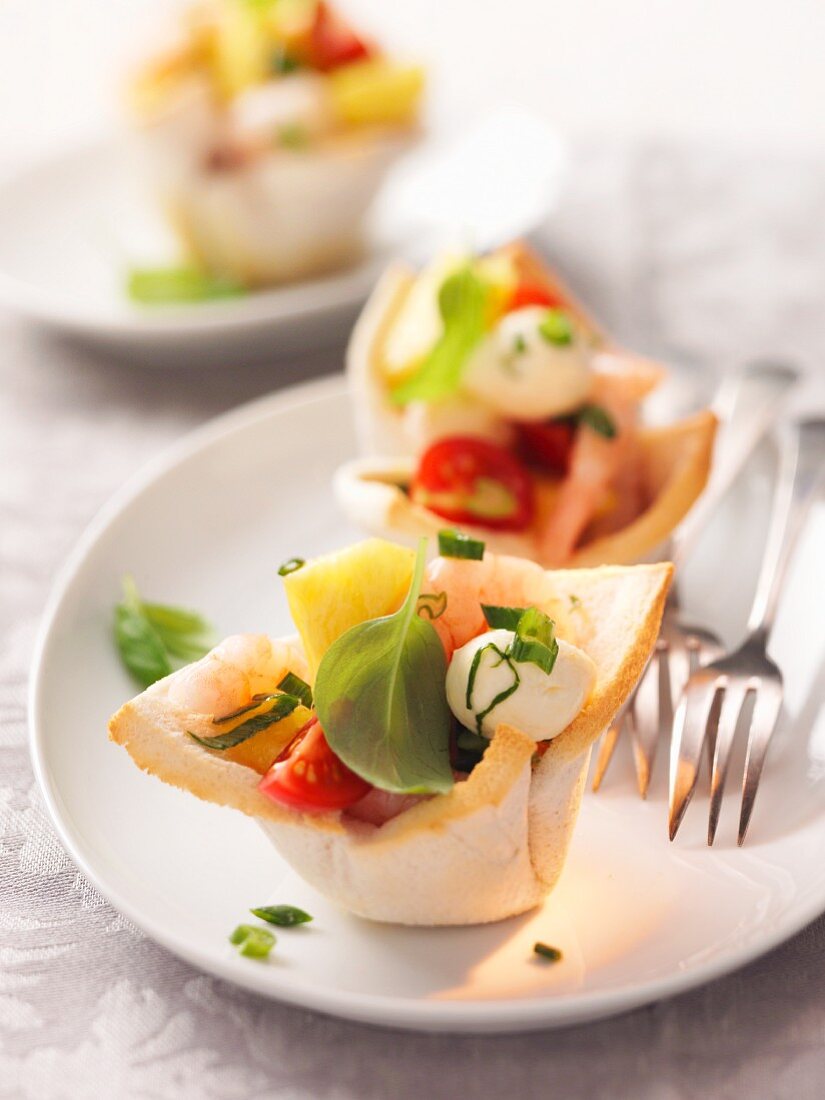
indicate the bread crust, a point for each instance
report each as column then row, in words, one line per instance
column 491, row 847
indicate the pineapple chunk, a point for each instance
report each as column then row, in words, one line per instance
column 332, row 593
column 241, row 48
column 376, row 92
column 260, row 751
column 418, row 324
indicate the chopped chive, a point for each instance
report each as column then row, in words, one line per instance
column 575, row 602
column 432, row 604
column 503, row 658
column 291, row 566
column 452, row 544
column 519, row 344
column 284, row 916
column 502, row 618
column 295, row 686
column 552, row 954
column 556, row 328
column 535, row 640
column 253, row 942
column 598, row 419
column 282, row 707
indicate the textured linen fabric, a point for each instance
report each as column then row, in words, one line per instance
column 704, row 258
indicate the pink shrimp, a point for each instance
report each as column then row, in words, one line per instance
column 598, row 463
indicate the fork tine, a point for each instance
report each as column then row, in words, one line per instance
column 651, row 701
column 607, row 747
column 729, row 714
column 763, row 723
column 689, row 730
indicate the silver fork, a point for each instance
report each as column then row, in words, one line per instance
column 748, row 404
column 715, row 696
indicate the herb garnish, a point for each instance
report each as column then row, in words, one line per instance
column 293, row 136
column 502, row 618
column 519, row 344
column 575, row 602
column 153, row 638
column 254, row 942
column 462, row 303
column 281, row 706
column 599, row 419
column 291, row 565
column 294, row 685
column 382, row 703
column 452, row 544
column 556, row 328
column 432, row 604
column 535, row 640
column 165, row 286
column 504, row 657
column 552, row 954
column 284, row 916
column 284, row 62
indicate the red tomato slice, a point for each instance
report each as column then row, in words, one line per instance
column 533, row 294
column 469, row 480
column 547, row 444
column 333, row 42
column 309, row 776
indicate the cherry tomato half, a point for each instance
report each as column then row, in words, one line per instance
column 309, row 776
column 547, row 444
column 333, row 42
column 533, row 294
column 469, row 480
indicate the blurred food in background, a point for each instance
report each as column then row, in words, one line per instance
column 265, row 133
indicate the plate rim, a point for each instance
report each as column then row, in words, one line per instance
column 272, row 306
column 487, row 1015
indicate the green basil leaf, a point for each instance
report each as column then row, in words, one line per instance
column 462, row 302
column 179, row 285
column 599, row 419
column 141, row 649
column 284, row 916
column 294, row 685
column 382, row 703
column 282, row 707
column 502, row 618
column 535, row 640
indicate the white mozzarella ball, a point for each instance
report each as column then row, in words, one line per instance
column 520, row 373
column 541, row 706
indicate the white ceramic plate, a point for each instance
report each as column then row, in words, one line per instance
column 637, row 918
column 71, row 228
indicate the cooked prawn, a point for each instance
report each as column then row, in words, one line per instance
column 242, row 665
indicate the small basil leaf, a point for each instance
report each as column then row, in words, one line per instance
column 382, row 702
column 284, row 916
column 141, row 649
column 462, row 302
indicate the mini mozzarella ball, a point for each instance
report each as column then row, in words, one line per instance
column 425, row 422
column 299, row 101
column 542, row 705
column 522, row 375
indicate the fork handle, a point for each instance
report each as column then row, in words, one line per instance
column 801, row 470
column 748, row 404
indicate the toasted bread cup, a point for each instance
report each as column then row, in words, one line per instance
column 490, row 848
column 269, row 218
column 675, row 460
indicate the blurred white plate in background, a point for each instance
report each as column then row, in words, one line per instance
column 636, row 917
column 72, row 227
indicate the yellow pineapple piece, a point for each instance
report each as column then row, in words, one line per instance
column 376, row 92
column 241, row 48
column 334, row 592
column 261, row 750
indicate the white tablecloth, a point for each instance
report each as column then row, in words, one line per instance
column 702, row 258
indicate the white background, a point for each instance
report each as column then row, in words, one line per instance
column 745, row 72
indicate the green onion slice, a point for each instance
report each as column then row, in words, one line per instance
column 432, row 605
column 502, row 618
column 535, row 640
column 282, row 707
column 547, row 952
column 598, row 419
column 284, row 916
column 294, row 685
column 254, row 942
column 291, row 566
column 452, row 544
column 556, row 328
